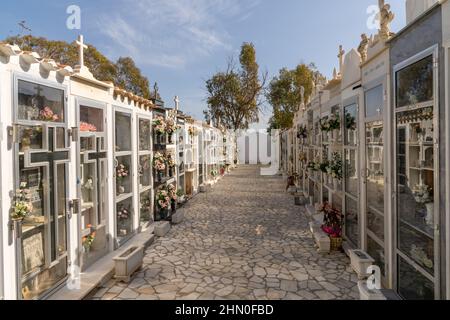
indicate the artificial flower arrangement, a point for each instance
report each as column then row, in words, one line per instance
column 162, row 199
column 302, row 132
column 333, row 219
column 121, row 172
column 48, row 115
column 331, row 123
column 350, row 122
column 325, row 167
column 171, row 126
column 214, row 173
column 336, row 166
column 89, row 240
column 87, row 127
column 172, row 192
column 159, row 125
column 171, row 162
column 22, row 204
column 123, row 213
column 159, row 162
column 314, row 166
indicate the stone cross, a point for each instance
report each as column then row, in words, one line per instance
column 341, row 59
column 177, row 103
column 81, row 47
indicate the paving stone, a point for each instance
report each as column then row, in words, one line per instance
column 244, row 239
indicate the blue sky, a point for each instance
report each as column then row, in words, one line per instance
column 181, row 43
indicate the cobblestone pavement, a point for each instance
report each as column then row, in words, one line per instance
column 244, row 239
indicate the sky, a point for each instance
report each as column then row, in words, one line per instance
column 181, row 43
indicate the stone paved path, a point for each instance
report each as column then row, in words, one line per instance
column 245, row 239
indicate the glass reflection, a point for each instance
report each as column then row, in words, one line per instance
column 350, row 127
column 375, row 165
column 351, row 220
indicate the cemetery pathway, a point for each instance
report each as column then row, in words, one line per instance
column 244, row 239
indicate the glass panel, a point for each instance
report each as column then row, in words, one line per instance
column 88, row 195
column 91, row 119
column 144, row 135
column 123, row 175
column 375, row 165
column 123, row 132
column 61, row 198
column 124, row 218
column 351, row 125
column 351, row 221
column 103, row 188
column 350, row 173
column 30, row 138
column 377, row 253
column 412, row 285
column 87, row 143
column 146, row 208
column 145, row 171
column 60, row 138
column 375, row 223
column 415, row 83
column 415, row 204
column 43, row 282
column 40, row 103
column 374, row 102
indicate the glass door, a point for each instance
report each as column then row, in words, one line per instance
column 374, row 181
column 351, row 176
column 417, row 196
column 42, row 154
column 123, row 176
column 145, row 171
column 92, row 173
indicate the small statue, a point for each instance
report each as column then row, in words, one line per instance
column 363, row 46
column 156, row 91
column 386, row 17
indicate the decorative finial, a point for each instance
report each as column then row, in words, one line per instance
column 341, row 59
column 386, row 17
column 363, row 47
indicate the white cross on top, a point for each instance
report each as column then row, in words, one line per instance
column 81, row 47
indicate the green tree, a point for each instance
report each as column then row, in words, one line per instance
column 129, row 77
column 124, row 73
column 285, row 93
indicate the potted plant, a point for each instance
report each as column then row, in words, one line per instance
column 336, row 168
column 332, row 225
column 335, row 125
column 159, row 164
column 23, row 206
column 89, row 240
column 163, row 203
column 121, row 173
column 172, row 193
column 180, row 196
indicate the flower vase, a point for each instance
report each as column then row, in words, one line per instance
column 163, row 214
column 170, row 138
column 335, row 134
column 171, row 172
column 311, row 201
column 159, row 174
column 173, row 206
column 121, row 189
column 429, row 219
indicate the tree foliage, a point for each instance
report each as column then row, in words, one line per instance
column 233, row 96
column 284, row 93
column 124, row 73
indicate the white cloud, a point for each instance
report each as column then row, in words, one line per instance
column 171, row 33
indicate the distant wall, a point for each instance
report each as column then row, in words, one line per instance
column 255, row 147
